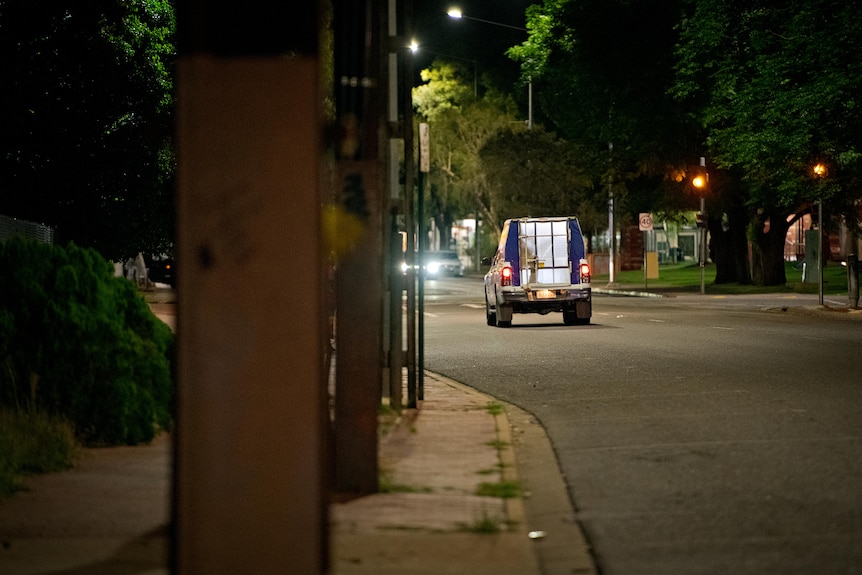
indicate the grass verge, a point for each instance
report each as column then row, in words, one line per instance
column 686, row 277
column 32, row 443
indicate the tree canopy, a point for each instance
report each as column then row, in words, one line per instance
column 460, row 125
column 763, row 92
column 86, row 144
column 776, row 90
column 601, row 70
column 483, row 157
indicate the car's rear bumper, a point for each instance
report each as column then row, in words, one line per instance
column 543, row 300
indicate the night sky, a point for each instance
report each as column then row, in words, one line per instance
column 469, row 39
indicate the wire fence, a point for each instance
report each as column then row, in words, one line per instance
column 13, row 227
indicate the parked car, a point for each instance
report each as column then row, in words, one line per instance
column 161, row 269
column 443, row 264
column 539, row 267
column 438, row 264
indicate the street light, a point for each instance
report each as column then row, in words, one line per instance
column 700, row 181
column 456, row 14
column 819, row 170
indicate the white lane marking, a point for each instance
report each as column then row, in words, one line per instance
column 473, row 305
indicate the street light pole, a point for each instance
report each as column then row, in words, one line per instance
column 819, row 173
column 458, row 15
column 820, row 251
column 703, row 247
column 700, row 182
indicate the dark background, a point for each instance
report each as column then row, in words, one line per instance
column 471, row 40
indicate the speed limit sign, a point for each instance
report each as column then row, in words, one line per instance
column 645, row 222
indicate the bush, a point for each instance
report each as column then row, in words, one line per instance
column 79, row 343
column 32, row 443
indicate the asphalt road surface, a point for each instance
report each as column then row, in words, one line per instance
column 697, row 434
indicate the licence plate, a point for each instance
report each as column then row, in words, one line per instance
column 545, row 294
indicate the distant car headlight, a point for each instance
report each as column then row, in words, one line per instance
column 404, row 267
column 433, row 267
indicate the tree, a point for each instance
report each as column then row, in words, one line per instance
column 87, row 125
column 460, row 126
column 776, row 89
column 445, row 88
column 532, row 172
column 600, row 71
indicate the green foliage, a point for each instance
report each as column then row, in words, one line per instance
column 80, row 343
column 532, row 172
column 487, row 524
column 32, row 443
column 495, row 408
column 601, row 70
column 445, row 88
column 502, row 490
column 777, row 90
column 86, row 144
column 686, row 278
column 460, row 128
column 762, row 91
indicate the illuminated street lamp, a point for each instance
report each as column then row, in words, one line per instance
column 456, row 14
column 700, row 182
column 819, row 170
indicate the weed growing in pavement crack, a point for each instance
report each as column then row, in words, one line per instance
column 498, row 445
column 486, row 524
column 387, row 485
column 495, row 408
column 503, row 489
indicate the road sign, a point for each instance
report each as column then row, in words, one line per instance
column 424, row 149
column 645, row 222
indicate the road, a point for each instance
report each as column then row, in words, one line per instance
column 697, row 434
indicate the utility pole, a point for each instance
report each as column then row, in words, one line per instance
column 251, row 409
column 359, row 100
column 409, row 207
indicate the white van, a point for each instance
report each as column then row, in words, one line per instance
column 540, row 267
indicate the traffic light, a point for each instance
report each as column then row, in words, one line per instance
column 700, row 219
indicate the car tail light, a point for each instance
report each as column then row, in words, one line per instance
column 506, row 276
column 584, row 269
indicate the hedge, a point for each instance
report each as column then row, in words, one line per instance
column 77, row 342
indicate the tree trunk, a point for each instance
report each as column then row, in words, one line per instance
column 729, row 247
column 768, row 255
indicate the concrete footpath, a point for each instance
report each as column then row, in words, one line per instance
column 442, row 468
column 433, row 519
